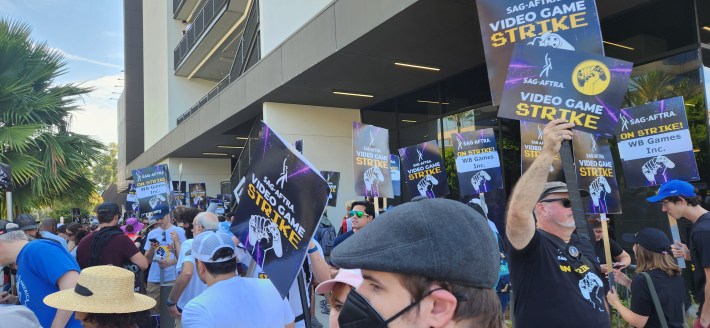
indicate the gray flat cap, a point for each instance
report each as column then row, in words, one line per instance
column 436, row 238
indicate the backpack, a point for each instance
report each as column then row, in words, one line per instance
column 503, row 285
column 327, row 238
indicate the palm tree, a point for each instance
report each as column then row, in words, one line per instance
column 49, row 163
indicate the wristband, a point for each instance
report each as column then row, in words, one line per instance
column 312, row 250
column 170, row 302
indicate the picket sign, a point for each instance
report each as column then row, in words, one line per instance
column 573, row 189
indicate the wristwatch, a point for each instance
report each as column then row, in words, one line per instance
column 170, row 302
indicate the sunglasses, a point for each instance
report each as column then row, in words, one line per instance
column 565, row 201
column 359, row 214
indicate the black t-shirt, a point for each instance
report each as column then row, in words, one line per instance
column 700, row 255
column 548, row 291
column 615, row 249
column 671, row 295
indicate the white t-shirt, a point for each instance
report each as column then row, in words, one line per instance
column 163, row 237
column 195, row 286
column 238, row 302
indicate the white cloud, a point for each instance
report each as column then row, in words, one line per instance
column 69, row 56
column 99, row 116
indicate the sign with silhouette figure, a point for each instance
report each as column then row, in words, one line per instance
column 424, row 170
column 371, row 161
column 596, row 176
column 152, row 187
column 655, row 145
column 477, row 162
column 281, row 200
column 545, row 84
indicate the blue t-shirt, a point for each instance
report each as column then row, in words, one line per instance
column 49, row 235
column 40, row 264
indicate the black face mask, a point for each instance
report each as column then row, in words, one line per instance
column 358, row 312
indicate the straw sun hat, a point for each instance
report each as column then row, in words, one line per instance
column 101, row 289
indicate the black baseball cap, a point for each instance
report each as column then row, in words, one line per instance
column 108, row 208
column 652, row 239
column 26, row 222
column 6, row 227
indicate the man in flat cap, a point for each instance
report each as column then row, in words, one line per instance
column 554, row 273
column 427, row 263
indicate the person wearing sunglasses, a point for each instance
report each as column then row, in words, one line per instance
column 426, row 263
column 554, row 274
column 362, row 213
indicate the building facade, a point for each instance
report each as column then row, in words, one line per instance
column 200, row 73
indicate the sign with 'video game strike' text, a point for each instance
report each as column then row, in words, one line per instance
column 571, row 25
column 371, row 161
column 424, row 168
column 655, row 145
column 596, row 174
column 545, row 84
column 531, row 146
column 281, row 202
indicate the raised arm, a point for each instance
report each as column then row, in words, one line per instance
column 520, row 226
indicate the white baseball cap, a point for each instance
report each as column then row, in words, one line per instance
column 208, row 243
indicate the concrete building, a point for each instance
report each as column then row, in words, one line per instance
column 200, row 73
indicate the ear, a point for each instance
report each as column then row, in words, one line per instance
column 439, row 309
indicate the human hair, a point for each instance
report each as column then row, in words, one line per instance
column 221, row 218
column 14, row 236
column 647, row 260
column 349, row 205
column 369, row 208
column 692, row 201
column 119, row 320
column 62, row 229
column 178, row 211
column 105, row 216
column 594, row 222
column 229, row 266
column 476, row 307
column 202, row 220
column 187, row 215
column 338, row 290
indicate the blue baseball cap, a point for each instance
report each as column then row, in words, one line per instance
column 160, row 211
column 673, row 188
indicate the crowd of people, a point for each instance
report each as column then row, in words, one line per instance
column 425, row 263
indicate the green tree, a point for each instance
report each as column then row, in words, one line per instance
column 49, row 163
column 105, row 171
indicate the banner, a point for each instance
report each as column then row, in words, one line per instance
column 595, row 174
column 179, row 192
column 655, row 145
column 5, row 177
column 152, row 187
column 333, row 180
column 396, row 175
column 544, row 84
column 561, row 24
column 226, row 201
column 371, row 162
column 424, row 168
column 198, row 195
column 281, row 202
column 477, row 162
column 132, row 200
column 530, row 147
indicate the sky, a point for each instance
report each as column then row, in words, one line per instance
column 90, row 35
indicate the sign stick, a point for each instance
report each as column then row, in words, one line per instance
column 376, row 200
column 574, row 195
column 384, row 203
column 607, row 248
column 8, row 205
column 676, row 236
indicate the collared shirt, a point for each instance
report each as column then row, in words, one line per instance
column 49, row 235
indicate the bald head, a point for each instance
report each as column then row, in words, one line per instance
column 48, row 225
column 207, row 221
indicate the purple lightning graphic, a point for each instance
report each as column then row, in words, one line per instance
column 304, row 169
column 266, row 140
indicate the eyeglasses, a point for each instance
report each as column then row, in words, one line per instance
column 565, row 201
column 666, row 201
column 359, row 214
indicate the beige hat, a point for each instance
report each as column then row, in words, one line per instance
column 101, row 289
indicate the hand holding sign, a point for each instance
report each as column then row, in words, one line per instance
column 554, row 133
